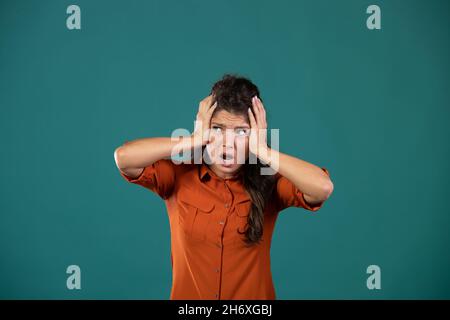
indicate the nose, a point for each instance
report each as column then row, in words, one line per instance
column 228, row 139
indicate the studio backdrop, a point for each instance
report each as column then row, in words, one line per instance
column 359, row 87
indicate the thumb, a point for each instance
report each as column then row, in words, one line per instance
column 211, row 139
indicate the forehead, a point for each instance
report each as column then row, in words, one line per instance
column 229, row 119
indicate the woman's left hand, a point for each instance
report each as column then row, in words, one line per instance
column 258, row 131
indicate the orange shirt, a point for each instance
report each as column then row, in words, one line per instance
column 209, row 257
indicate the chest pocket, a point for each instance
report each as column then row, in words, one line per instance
column 195, row 215
column 242, row 211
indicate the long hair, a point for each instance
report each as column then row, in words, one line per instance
column 234, row 94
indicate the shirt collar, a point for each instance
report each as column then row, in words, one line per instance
column 203, row 171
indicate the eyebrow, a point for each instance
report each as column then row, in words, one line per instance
column 246, row 126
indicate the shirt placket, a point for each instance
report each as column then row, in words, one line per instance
column 221, row 220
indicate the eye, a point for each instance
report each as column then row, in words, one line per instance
column 216, row 129
column 242, row 132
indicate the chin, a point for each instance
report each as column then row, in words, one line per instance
column 228, row 169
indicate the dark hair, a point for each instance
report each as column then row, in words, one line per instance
column 234, row 94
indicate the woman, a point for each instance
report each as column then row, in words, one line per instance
column 222, row 211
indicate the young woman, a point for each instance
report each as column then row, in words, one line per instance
column 222, row 210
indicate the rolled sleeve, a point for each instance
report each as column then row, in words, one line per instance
column 288, row 195
column 159, row 177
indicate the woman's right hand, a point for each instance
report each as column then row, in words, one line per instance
column 203, row 119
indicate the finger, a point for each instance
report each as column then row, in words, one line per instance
column 261, row 105
column 211, row 100
column 263, row 113
column 255, row 107
column 253, row 124
column 205, row 104
column 210, row 112
column 202, row 107
column 258, row 113
column 211, row 138
column 213, row 107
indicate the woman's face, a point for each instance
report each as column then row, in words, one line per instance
column 228, row 150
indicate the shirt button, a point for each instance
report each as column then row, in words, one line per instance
column 227, row 205
column 217, row 269
column 217, row 295
column 221, row 222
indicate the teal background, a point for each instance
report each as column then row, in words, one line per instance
column 371, row 106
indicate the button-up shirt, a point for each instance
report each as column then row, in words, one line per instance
column 209, row 257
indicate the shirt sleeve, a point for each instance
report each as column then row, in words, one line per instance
column 288, row 195
column 159, row 177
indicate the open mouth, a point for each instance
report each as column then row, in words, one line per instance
column 226, row 156
column 227, row 159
